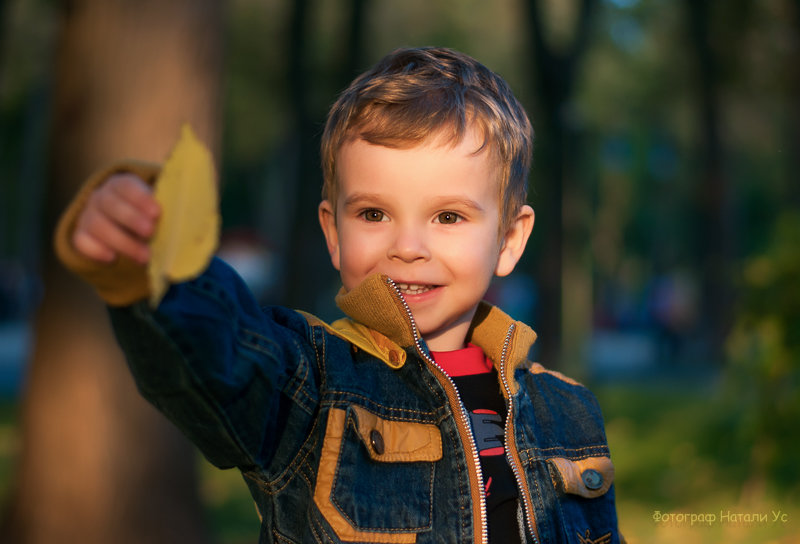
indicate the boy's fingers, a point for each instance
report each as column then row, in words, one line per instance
column 129, row 214
column 100, row 237
column 118, row 219
column 88, row 246
column 134, row 190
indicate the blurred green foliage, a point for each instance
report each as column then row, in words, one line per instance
column 230, row 510
column 674, row 452
column 763, row 374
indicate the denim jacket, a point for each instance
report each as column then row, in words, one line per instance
column 350, row 432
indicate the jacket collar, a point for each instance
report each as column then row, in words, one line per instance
column 378, row 305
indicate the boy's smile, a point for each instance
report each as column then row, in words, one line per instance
column 429, row 218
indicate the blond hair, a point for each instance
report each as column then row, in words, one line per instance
column 413, row 93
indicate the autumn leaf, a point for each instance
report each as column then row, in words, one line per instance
column 188, row 231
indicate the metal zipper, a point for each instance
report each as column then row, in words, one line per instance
column 464, row 415
column 512, row 461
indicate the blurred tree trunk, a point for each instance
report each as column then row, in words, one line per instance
column 306, row 253
column 3, row 8
column 555, row 70
column 310, row 271
column 793, row 70
column 98, row 464
column 355, row 45
column 716, row 232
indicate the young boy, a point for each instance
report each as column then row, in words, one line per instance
column 416, row 419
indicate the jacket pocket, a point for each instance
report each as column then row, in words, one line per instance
column 375, row 478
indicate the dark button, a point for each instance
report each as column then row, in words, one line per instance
column 376, row 439
column 592, row 479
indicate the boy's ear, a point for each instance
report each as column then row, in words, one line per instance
column 514, row 241
column 327, row 220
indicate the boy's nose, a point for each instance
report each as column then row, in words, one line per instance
column 409, row 245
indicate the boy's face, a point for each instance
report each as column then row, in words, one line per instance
column 429, row 218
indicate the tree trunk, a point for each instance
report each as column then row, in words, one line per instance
column 716, row 231
column 555, row 72
column 307, row 265
column 793, row 144
column 98, row 464
column 311, row 273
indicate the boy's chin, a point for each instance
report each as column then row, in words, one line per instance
column 448, row 338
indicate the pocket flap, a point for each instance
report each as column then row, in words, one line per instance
column 589, row 478
column 392, row 441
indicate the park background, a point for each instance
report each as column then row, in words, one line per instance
column 663, row 271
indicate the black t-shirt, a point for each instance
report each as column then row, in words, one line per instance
column 476, row 380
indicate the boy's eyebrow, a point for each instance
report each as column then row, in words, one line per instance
column 458, row 201
column 361, row 198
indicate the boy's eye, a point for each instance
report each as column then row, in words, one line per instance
column 373, row 215
column 448, row 218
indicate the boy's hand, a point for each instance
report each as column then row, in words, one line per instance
column 119, row 219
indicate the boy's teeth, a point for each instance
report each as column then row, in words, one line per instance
column 413, row 288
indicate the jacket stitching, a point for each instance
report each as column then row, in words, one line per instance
column 319, row 354
column 316, row 534
column 300, row 388
column 314, row 345
column 430, row 495
column 321, row 358
column 297, row 382
column 300, row 374
column 283, row 479
column 294, row 467
column 558, row 503
column 433, row 384
column 305, row 477
column 537, row 497
column 291, row 385
column 258, row 337
column 370, row 402
column 466, row 490
column 585, row 452
column 555, row 477
column 282, row 538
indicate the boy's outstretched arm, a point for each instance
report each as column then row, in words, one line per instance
column 206, row 344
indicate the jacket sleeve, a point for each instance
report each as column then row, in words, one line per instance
column 234, row 377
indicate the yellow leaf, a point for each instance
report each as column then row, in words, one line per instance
column 188, row 230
